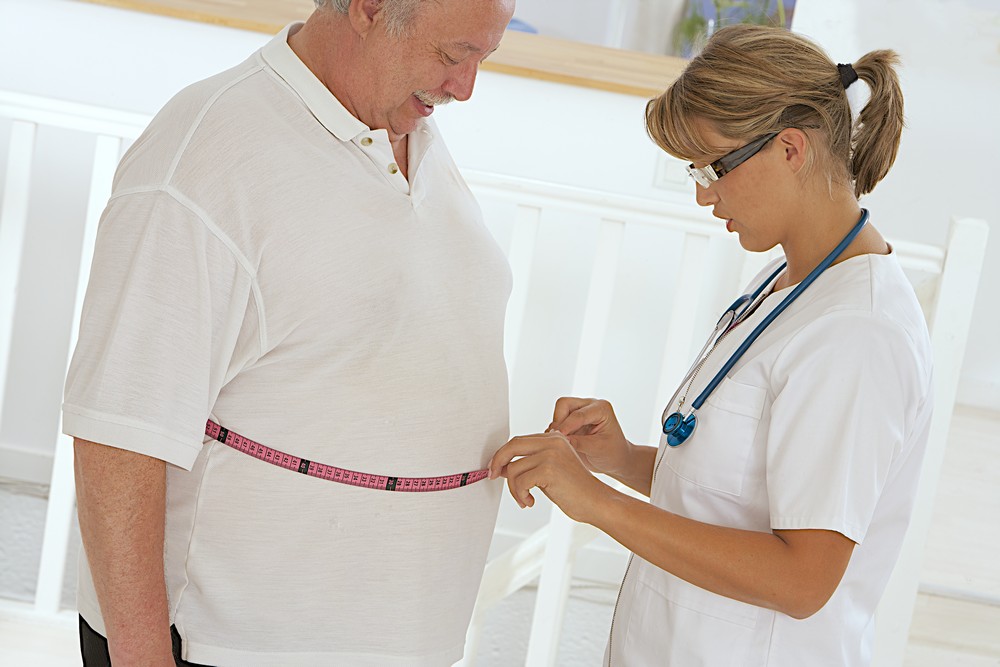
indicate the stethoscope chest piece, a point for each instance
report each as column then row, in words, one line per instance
column 678, row 428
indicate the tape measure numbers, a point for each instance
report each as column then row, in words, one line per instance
column 340, row 475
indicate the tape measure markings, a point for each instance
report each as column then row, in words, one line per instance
column 339, row 475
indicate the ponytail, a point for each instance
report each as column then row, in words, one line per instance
column 877, row 131
column 753, row 80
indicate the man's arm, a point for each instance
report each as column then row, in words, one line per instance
column 121, row 501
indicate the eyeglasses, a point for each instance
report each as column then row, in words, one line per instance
column 705, row 176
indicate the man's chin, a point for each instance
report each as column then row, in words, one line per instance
column 402, row 127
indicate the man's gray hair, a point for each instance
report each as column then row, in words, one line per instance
column 398, row 13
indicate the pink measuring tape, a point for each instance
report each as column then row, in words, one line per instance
column 335, row 474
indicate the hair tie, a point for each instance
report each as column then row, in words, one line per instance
column 847, row 75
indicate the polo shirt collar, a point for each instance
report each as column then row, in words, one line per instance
column 327, row 109
column 321, row 102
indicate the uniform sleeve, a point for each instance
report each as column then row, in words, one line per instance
column 165, row 305
column 846, row 390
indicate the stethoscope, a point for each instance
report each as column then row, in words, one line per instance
column 678, row 427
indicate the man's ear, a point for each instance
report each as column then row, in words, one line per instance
column 365, row 15
column 795, row 145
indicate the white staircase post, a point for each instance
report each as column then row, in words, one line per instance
column 553, row 585
column 62, row 487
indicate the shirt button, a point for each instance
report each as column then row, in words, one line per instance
column 367, row 141
column 393, row 168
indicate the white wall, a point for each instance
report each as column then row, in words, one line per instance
column 133, row 61
column 951, row 84
column 92, row 54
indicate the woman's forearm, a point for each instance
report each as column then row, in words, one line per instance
column 638, row 472
column 794, row 572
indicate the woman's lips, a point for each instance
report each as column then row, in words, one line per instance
column 729, row 221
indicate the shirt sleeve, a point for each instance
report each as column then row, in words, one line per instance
column 165, row 305
column 846, row 387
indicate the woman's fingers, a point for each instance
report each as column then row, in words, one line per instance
column 520, row 480
column 584, row 419
column 549, row 463
column 565, row 406
column 520, row 461
column 522, row 445
column 514, row 461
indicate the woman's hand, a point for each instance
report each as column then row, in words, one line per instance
column 591, row 427
column 548, row 461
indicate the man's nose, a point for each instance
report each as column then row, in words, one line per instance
column 461, row 84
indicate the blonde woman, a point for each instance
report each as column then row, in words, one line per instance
column 783, row 484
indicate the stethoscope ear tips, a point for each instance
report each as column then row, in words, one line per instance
column 677, row 428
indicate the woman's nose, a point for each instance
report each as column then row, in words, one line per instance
column 705, row 196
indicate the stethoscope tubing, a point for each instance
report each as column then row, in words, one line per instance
column 794, row 294
column 746, row 301
column 675, row 420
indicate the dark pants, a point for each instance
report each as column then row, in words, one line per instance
column 94, row 647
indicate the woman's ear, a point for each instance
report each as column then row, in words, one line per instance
column 795, row 146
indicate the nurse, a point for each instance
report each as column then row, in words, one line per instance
column 774, row 521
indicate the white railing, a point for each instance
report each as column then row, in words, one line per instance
column 111, row 128
column 549, row 554
column 707, row 266
column 945, row 278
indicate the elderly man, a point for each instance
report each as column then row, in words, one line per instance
column 290, row 254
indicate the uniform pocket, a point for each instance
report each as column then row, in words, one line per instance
column 716, row 454
column 696, row 599
column 678, row 624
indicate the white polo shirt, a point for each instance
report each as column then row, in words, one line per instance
column 263, row 263
column 822, row 424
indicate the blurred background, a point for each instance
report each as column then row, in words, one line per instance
column 584, row 150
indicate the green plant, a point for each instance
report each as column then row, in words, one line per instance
column 695, row 28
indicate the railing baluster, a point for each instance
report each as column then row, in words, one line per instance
column 521, row 256
column 510, row 572
column 952, row 319
column 549, row 553
column 679, row 343
column 13, row 222
column 62, row 488
column 557, row 566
